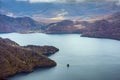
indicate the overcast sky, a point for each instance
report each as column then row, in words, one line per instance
column 58, row 11
column 74, row 1
column 70, row 0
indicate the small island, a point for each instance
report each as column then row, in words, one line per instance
column 16, row 59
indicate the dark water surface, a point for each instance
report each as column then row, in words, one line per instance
column 89, row 58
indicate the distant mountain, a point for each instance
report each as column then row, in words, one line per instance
column 114, row 17
column 16, row 59
column 107, row 28
column 26, row 25
column 65, row 26
column 19, row 24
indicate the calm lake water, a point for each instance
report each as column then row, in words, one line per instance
column 89, row 58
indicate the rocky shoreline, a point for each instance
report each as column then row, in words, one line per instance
column 42, row 50
column 16, row 59
column 100, row 36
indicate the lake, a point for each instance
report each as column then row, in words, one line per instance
column 89, row 58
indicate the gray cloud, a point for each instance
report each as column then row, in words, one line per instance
column 74, row 1
column 90, row 1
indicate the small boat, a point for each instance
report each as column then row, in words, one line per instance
column 68, row 65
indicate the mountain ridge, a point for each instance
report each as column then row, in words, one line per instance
column 107, row 27
column 19, row 24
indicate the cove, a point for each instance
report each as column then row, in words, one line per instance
column 89, row 58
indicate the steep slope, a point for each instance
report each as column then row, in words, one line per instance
column 14, row 59
column 20, row 24
column 8, row 42
column 108, row 28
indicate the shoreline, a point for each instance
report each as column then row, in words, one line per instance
column 17, row 59
column 81, row 35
